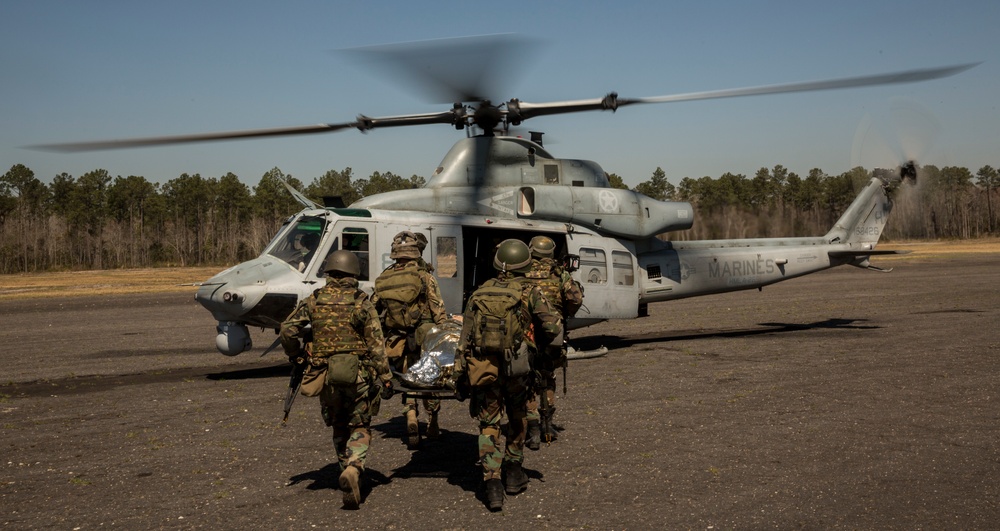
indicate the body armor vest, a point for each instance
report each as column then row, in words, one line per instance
column 549, row 283
column 330, row 311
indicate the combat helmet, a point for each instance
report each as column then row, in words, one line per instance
column 512, row 256
column 405, row 245
column 343, row 262
column 421, row 241
column 542, row 247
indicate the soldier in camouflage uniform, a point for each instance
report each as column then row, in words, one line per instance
column 495, row 386
column 409, row 303
column 566, row 297
column 346, row 341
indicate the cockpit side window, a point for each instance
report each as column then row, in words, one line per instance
column 298, row 245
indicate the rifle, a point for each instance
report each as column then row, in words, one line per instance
column 545, row 417
column 564, row 354
column 294, row 384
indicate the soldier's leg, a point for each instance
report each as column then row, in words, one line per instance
column 412, row 426
column 488, row 410
column 548, row 380
column 533, row 439
column 358, row 405
column 335, row 416
column 359, row 408
column 488, row 415
column 410, row 408
column 515, row 397
column 432, row 406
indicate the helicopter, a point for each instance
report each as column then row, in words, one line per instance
column 492, row 185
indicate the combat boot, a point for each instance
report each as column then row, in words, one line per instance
column 514, row 478
column 349, row 481
column 433, row 430
column 494, row 494
column 412, row 429
column 549, row 433
column 534, row 438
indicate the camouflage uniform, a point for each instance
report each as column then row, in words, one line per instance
column 409, row 265
column 507, row 394
column 566, row 297
column 349, row 408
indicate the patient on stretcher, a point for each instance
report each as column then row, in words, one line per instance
column 437, row 356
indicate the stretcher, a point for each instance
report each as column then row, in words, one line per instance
column 409, row 390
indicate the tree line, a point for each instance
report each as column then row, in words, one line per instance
column 96, row 221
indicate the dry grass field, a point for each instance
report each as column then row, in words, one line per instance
column 103, row 282
column 932, row 249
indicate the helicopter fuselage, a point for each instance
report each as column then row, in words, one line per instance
column 620, row 276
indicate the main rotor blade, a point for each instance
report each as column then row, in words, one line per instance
column 462, row 69
column 184, row 139
column 612, row 101
column 515, row 112
column 363, row 123
column 907, row 76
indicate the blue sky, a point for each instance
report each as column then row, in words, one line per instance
column 79, row 71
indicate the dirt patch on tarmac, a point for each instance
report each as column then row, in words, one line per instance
column 845, row 399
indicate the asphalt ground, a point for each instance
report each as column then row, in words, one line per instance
column 845, row 399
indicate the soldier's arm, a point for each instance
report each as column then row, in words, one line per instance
column 547, row 323
column 572, row 295
column 293, row 328
column 434, row 299
column 371, row 331
column 462, row 347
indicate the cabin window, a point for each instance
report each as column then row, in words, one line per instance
column 621, row 264
column 446, row 257
column 593, row 266
column 355, row 239
column 551, row 174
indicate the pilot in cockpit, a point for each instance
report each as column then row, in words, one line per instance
column 309, row 242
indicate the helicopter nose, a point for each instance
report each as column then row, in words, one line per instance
column 233, row 292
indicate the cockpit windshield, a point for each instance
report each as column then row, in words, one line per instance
column 298, row 244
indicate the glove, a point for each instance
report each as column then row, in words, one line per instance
column 387, row 390
column 297, row 357
column 462, row 388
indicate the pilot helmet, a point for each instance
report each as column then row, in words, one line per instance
column 542, row 247
column 405, row 245
column 344, row 262
column 309, row 241
column 512, row 256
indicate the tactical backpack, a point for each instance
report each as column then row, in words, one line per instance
column 399, row 290
column 498, row 321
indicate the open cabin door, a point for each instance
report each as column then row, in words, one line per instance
column 444, row 252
